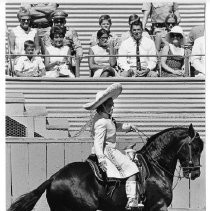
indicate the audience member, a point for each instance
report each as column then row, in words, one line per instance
column 137, row 45
column 71, row 38
column 173, row 66
column 158, row 11
column 23, row 32
column 29, row 66
column 132, row 18
column 105, row 22
column 58, row 66
column 198, row 61
column 102, row 66
column 41, row 16
column 195, row 32
column 170, row 22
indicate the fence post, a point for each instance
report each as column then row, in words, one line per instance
column 77, row 61
column 187, row 53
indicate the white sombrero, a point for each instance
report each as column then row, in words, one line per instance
column 113, row 91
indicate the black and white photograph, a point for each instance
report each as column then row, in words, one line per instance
column 105, row 105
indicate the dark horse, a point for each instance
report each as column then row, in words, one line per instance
column 75, row 188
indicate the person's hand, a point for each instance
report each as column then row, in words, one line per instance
column 103, row 165
column 133, row 128
column 143, row 72
column 179, row 72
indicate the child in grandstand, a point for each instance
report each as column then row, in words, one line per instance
column 29, row 66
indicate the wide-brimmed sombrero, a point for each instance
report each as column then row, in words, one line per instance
column 113, row 91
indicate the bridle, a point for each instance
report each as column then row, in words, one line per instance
column 189, row 141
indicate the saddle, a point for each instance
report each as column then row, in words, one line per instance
column 112, row 183
column 101, row 176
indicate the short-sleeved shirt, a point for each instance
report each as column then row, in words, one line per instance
column 159, row 10
column 24, row 64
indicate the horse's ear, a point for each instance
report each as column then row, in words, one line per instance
column 191, row 131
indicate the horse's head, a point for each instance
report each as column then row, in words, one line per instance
column 189, row 154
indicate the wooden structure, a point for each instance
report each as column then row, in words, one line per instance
column 52, row 108
column 83, row 17
column 152, row 105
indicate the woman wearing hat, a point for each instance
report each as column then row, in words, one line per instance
column 104, row 130
column 173, row 66
column 102, row 66
column 22, row 33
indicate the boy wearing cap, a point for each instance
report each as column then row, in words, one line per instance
column 104, row 130
column 29, row 66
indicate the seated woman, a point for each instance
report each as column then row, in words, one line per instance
column 58, row 66
column 173, row 66
column 170, row 22
column 102, row 66
column 105, row 22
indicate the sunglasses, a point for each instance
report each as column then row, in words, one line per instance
column 176, row 35
column 25, row 20
column 59, row 21
column 103, row 38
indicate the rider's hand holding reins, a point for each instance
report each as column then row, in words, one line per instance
column 133, row 128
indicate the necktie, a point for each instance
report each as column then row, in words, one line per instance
column 138, row 63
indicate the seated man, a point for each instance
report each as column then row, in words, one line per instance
column 29, row 66
column 127, row 34
column 137, row 44
column 198, row 62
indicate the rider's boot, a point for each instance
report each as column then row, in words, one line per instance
column 131, row 192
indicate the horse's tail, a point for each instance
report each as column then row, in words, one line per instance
column 27, row 201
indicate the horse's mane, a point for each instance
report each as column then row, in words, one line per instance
column 161, row 140
column 155, row 136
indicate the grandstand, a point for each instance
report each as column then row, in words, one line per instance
column 45, row 119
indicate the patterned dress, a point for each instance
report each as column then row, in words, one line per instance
column 174, row 62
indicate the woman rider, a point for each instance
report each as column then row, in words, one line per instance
column 104, row 130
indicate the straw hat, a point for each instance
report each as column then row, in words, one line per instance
column 113, row 91
column 176, row 30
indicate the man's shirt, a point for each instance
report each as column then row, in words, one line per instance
column 128, row 47
column 198, row 62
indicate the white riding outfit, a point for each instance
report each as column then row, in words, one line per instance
column 104, row 131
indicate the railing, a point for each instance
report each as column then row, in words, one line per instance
column 77, row 66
